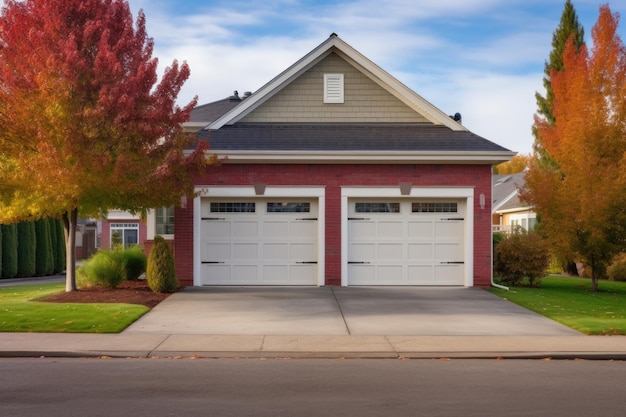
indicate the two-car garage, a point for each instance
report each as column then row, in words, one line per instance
column 387, row 238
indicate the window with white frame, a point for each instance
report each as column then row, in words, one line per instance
column 124, row 234
column 164, row 221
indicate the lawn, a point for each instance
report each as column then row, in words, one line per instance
column 20, row 312
column 571, row 302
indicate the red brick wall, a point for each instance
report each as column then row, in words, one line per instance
column 333, row 177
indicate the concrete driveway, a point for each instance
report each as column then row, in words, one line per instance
column 356, row 311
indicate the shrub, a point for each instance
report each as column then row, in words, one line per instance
column 617, row 270
column 521, row 255
column 26, row 264
column 58, row 242
column 161, row 271
column 9, row 250
column 105, row 268
column 135, row 262
column 44, row 258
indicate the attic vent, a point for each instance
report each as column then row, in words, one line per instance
column 333, row 88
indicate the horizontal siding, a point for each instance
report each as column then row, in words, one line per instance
column 302, row 101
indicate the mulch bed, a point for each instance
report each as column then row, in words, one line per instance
column 130, row 292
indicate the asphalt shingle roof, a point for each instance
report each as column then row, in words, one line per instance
column 345, row 137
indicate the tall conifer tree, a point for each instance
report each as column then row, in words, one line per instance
column 569, row 26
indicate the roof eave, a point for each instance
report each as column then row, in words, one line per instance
column 376, row 157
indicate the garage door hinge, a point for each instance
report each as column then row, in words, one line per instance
column 306, row 262
column 307, row 218
column 358, row 218
column 212, row 262
column 213, row 218
column 357, row 262
column 453, row 218
column 454, row 262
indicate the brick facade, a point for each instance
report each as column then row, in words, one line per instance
column 333, row 178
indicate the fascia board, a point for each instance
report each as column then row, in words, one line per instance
column 335, row 157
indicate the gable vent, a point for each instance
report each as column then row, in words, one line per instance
column 333, row 88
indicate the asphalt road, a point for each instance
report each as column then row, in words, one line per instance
column 201, row 387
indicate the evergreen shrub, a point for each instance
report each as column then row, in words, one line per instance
column 105, row 269
column 44, row 258
column 161, row 270
column 135, row 262
column 9, row 250
column 26, row 247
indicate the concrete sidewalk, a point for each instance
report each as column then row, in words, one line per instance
column 310, row 346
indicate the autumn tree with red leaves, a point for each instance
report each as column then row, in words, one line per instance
column 84, row 125
column 582, row 204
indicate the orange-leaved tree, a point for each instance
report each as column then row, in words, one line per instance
column 85, row 125
column 582, row 205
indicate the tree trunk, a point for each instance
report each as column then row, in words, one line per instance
column 70, row 220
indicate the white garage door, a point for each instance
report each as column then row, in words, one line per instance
column 258, row 242
column 406, row 242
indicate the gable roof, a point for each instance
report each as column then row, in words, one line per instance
column 355, row 58
column 434, row 137
column 505, row 194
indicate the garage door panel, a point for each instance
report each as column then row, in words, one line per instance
column 448, row 252
column 390, row 251
column 245, row 229
column 213, row 251
column 447, row 274
column 362, row 229
column 305, row 252
column 390, row 229
column 447, row 229
column 387, row 274
column 243, row 251
column 417, row 229
column 216, row 228
column 362, row 251
column 420, row 274
column 275, row 251
column 299, row 228
column 420, row 251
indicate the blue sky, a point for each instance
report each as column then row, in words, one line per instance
column 481, row 58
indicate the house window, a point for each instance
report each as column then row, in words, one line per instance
column 434, row 208
column 124, row 234
column 377, row 207
column 333, row 88
column 288, row 207
column 234, row 207
column 164, row 221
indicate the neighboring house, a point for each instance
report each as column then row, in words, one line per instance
column 335, row 173
column 122, row 228
column 509, row 212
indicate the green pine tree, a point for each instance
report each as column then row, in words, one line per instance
column 9, row 250
column 568, row 26
column 44, row 258
column 26, row 244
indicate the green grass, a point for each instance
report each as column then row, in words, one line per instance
column 571, row 302
column 20, row 313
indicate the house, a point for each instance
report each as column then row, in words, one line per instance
column 509, row 211
column 335, row 173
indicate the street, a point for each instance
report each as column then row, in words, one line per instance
column 311, row 387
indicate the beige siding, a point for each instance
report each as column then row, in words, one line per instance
column 302, row 101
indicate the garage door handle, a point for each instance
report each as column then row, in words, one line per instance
column 212, row 262
column 213, row 218
column 454, row 262
column 307, row 262
column 454, row 218
column 357, row 262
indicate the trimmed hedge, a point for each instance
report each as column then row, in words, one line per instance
column 58, row 241
column 44, row 258
column 26, row 249
column 9, row 250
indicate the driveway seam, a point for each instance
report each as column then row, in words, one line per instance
column 343, row 317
